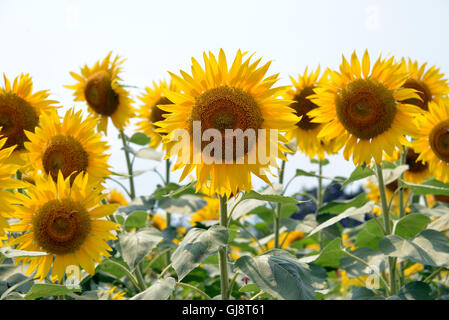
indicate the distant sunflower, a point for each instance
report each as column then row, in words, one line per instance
column 223, row 98
column 20, row 109
column 7, row 170
column 117, row 197
column 159, row 221
column 374, row 195
column 66, row 221
column 306, row 132
column 69, row 146
column 359, row 106
column 429, row 84
column 417, row 170
column 432, row 142
column 105, row 97
column 151, row 113
column 211, row 211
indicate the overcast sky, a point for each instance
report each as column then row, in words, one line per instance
column 48, row 39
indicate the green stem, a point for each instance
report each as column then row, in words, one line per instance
column 402, row 210
column 434, row 274
column 140, row 279
column 222, row 253
column 167, row 181
column 132, row 192
column 165, row 270
column 319, row 197
column 277, row 216
column 386, row 216
column 126, row 271
column 234, row 278
column 186, row 285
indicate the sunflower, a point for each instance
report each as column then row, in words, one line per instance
column 6, row 182
column 390, row 190
column 221, row 98
column 429, row 84
column 69, row 146
column 159, row 221
column 66, row 221
column 432, row 141
column 105, row 97
column 286, row 239
column 115, row 196
column 211, row 211
column 116, row 294
column 151, row 113
column 417, row 170
column 306, row 132
column 20, row 109
column 359, row 106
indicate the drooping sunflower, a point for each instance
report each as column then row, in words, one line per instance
column 432, row 141
column 430, row 84
column 306, row 132
column 219, row 98
column 359, row 104
column 99, row 87
column 66, row 221
column 7, row 170
column 115, row 196
column 417, row 170
column 151, row 113
column 69, row 146
column 20, row 109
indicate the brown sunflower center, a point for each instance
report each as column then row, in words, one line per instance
column 302, row 106
column 99, row 93
column 16, row 115
column 392, row 186
column 64, row 153
column 439, row 140
column 225, row 108
column 366, row 108
column 423, row 92
column 61, row 226
column 157, row 113
column 414, row 165
column 441, row 198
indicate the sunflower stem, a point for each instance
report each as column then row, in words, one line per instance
column 167, row 181
column 386, row 216
column 319, row 197
column 140, row 279
column 402, row 211
column 189, row 286
column 222, row 253
column 126, row 271
column 277, row 216
column 132, row 192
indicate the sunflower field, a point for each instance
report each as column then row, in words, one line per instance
column 207, row 231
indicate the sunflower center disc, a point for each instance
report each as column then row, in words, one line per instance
column 439, row 140
column 423, row 92
column 228, row 108
column 302, row 106
column 392, row 186
column 413, row 165
column 61, row 226
column 99, row 94
column 366, row 108
column 16, row 115
column 64, row 153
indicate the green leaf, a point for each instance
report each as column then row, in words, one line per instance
column 39, row 290
column 350, row 212
column 362, row 293
column 370, row 234
column 160, row 290
column 280, row 275
column 269, row 197
column 197, row 245
column 331, row 254
column 306, row 225
column 140, row 138
column 175, row 191
column 410, row 225
column 391, row 175
column 9, row 252
column 250, row 287
column 339, row 206
column 136, row 245
column 428, row 187
column 137, row 219
column 429, row 247
column 358, row 174
column 186, row 204
column 287, row 209
column 416, row 290
column 355, row 268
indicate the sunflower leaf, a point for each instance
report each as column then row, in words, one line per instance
column 160, row 290
column 140, row 138
column 358, row 174
column 39, row 290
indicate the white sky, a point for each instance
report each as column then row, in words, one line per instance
column 50, row 38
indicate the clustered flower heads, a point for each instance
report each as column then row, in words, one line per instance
column 221, row 124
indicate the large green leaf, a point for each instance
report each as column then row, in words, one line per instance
column 354, row 268
column 391, row 175
column 362, row 293
column 370, row 234
column 160, row 290
column 306, row 225
column 331, row 254
column 197, row 245
column 40, row 290
column 416, row 290
column 140, row 138
column 428, row 187
column 358, row 174
column 429, row 247
column 137, row 219
column 410, row 225
column 137, row 244
column 280, row 275
column 340, row 206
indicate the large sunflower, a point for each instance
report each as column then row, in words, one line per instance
column 151, row 113
column 306, row 132
column 70, row 146
column 66, row 221
column 360, row 106
column 105, row 97
column 20, row 109
column 433, row 139
column 429, row 84
column 221, row 98
column 6, row 182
